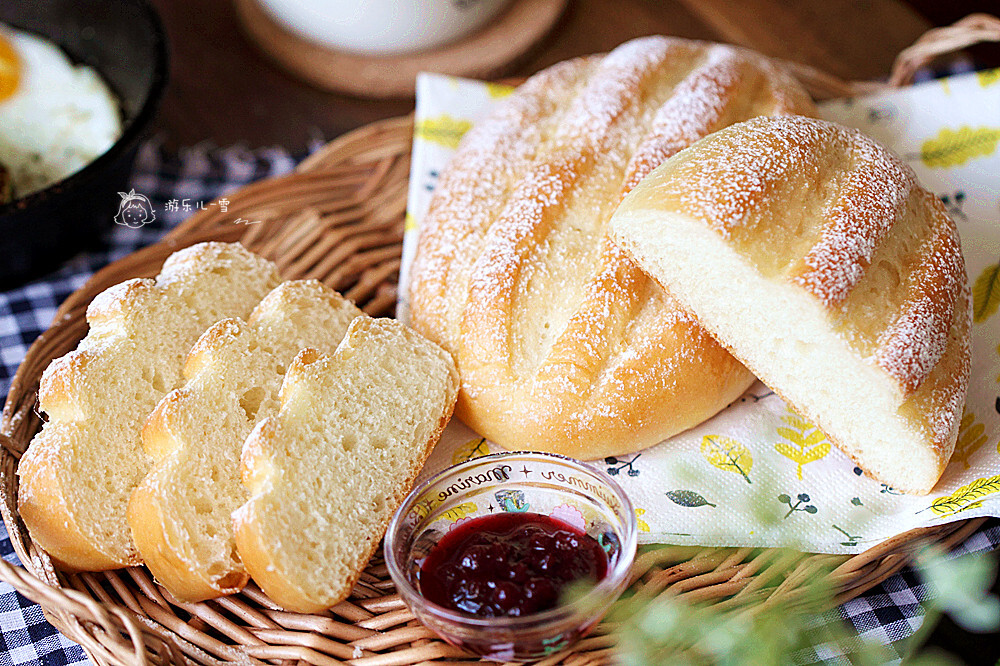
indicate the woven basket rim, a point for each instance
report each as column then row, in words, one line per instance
column 367, row 163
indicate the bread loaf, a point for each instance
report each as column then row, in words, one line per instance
column 80, row 469
column 327, row 472
column 811, row 253
column 562, row 344
column 181, row 512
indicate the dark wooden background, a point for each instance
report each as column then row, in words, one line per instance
column 224, row 91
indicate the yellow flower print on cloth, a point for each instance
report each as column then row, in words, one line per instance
column 969, row 496
column 806, row 443
column 474, row 448
column 986, row 293
column 727, row 454
column 955, row 147
column 443, row 130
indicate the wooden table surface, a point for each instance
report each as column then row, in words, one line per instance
column 223, row 90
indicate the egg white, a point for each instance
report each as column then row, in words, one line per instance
column 60, row 118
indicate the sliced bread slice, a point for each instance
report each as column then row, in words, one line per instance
column 326, row 473
column 80, row 469
column 810, row 252
column 181, row 512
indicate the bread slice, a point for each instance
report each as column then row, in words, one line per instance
column 327, row 472
column 181, row 512
column 810, row 252
column 81, row 468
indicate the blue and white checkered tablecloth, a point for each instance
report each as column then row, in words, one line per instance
column 888, row 614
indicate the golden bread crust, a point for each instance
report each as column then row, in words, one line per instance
column 153, row 533
column 261, row 560
column 562, row 344
column 42, row 505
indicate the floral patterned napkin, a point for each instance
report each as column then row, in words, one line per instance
column 757, row 474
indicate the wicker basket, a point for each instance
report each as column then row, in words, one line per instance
column 339, row 219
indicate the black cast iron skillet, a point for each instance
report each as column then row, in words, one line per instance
column 125, row 42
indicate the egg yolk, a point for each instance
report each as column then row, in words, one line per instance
column 10, row 68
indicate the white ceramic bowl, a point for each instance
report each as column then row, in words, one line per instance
column 383, row 27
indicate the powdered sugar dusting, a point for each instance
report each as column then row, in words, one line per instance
column 915, row 341
column 727, row 180
column 613, row 89
column 869, row 202
column 471, row 192
column 938, row 402
column 909, row 352
column 948, row 383
column 693, row 111
column 509, row 241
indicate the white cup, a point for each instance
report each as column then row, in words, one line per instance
column 383, row 27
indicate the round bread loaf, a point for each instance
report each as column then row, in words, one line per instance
column 562, row 344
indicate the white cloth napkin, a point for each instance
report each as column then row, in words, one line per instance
column 757, row 474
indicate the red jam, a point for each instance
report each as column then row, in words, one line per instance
column 509, row 564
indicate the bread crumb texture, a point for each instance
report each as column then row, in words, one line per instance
column 81, row 468
column 180, row 514
column 326, row 473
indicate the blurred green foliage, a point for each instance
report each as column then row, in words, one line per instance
column 798, row 623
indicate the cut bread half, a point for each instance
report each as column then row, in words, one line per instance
column 181, row 512
column 80, row 469
column 810, row 252
column 327, row 472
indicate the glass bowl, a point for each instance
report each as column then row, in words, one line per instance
column 541, row 483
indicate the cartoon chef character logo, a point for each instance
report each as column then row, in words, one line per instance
column 135, row 210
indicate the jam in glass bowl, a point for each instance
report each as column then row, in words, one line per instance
column 512, row 556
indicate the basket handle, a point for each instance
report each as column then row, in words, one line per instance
column 66, row 607
column 970, row 30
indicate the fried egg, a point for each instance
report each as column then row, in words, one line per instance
column 55, row 117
